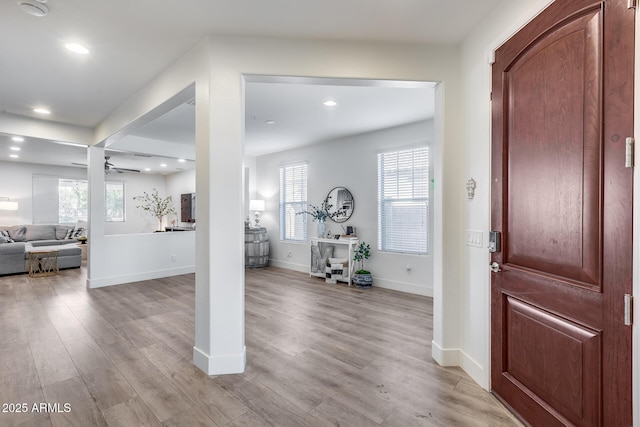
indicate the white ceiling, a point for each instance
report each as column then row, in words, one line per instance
column 133, row 41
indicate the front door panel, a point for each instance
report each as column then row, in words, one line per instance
column 561, row 197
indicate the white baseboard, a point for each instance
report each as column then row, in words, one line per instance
column 289, row 265
column 445, row 357
column 475, row 370
column 220, row 364
column 410, row 288
column 457, row 357
column 137, row 277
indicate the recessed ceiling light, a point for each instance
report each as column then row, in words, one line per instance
column 181, row 160
column 77, row 48
column 14, row 148
column 13, row 156
column 330, row 103
column 147, row 169
column 34, row 8
column 163, row 165
column 41, row 111
column 270, row 122
column 17, row 139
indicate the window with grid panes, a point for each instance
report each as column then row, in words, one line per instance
column 293, row 199
column 403, row 201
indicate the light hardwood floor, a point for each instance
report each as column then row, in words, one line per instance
column 317, row 355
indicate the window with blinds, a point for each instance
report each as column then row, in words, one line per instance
column 403, row 201
column 293, row 199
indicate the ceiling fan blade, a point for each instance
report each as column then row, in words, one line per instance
column 120, row 170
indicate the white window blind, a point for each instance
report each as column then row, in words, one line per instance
column 403, row 201
column 114, row 201
column 293, row 199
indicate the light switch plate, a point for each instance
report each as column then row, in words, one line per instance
column 474, row 238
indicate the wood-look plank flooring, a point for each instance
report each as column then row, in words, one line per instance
column 317, row 355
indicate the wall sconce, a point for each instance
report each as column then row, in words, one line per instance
column 7, row 205
column 471, row 188
column 257, row 206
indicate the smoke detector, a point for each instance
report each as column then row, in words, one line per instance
column 35, row 8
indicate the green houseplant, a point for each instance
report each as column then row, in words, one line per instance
column 156, row 206
column 362, row 278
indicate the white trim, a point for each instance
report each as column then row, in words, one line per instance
column 475, row 370
column 220, row 364
column 302, row 268
column 425, row 143
column 411, row 288
column 445, row 357
column 137, row 277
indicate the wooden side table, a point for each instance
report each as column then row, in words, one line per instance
column 43, row 263
column 84, row 247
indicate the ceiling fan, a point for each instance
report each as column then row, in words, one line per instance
column 108, row 167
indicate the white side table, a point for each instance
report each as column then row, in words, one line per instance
column 342, row 246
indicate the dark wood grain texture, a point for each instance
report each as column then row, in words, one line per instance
column 317, row 355
column 562, row 105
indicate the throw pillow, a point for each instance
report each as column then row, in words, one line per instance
column 69, row 234
column 77, row 233
column 61, row 231
column 6, row 237
column 2, row 239
column 18, row 233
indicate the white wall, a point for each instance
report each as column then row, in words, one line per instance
column 44, row 129
column 217, row 67
column 476, row 119
column 124, row 258
column 351, row 163
column 16, row 183
column 136, row 220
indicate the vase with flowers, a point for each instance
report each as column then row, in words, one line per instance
column 155, row 205
column 320, row 214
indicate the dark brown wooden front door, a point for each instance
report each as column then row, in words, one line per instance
column 562, row 106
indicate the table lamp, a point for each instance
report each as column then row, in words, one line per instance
column 257, row 206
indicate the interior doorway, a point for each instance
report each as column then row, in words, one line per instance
column 286, row 121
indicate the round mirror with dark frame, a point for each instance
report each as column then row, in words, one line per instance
column 341, row 201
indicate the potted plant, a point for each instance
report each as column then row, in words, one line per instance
column 362, row 278
column 156, row 206
column 321, row 214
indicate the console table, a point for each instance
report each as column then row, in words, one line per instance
column 344, row 247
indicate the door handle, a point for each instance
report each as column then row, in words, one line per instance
column 495, row 267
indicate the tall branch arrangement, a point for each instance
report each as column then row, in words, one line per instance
column 321, row 213
column 155, row 205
